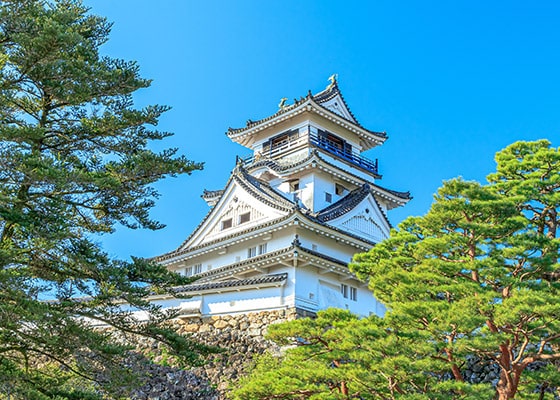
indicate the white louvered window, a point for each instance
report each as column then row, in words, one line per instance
column 251, row 252
column 262, row 248
column 197, row 269
column 353, row 294
column 344, row 290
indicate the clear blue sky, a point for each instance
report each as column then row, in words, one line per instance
column 450, row 82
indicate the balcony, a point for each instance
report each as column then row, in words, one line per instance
column 320, row 139
column 338, row 150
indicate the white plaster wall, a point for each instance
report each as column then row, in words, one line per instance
column 244, row 301
column 306, row 193
column 252, row 300
column 238, row 252
column 325, row 183
column 322, row 183
column 327, row 246
column 323, row 291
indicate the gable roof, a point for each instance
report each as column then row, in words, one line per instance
column 328, row 103
column 318, row 222
column 256, row 189
column 330, row 99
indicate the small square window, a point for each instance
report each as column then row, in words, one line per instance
column 227, row 223
column 189, row 271
column 294, row 186
column 340, row 190
column 244, row 217
column 328, row 197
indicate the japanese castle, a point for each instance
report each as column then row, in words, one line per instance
column 282, row 231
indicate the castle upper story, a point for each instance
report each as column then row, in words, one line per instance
column 311, row 151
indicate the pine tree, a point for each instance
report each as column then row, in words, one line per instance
column 476, row 278
column 74, row 164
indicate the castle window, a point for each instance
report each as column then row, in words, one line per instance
column 262, row 248
column 251, row 252
column 189, row 271
column 294, row 185
column 340, row 190
column 245, row 217
column 344, row 290
column 227, row 223
column 197, row 269
column 283, row 139
column 353, row 294
column 328, row 197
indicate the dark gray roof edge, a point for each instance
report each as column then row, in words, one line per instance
column 262, row 279
column 318, row 99
column 345, row 204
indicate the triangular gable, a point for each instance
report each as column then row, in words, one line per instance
column 237, row 210
column 338, row 106
column 366, row 219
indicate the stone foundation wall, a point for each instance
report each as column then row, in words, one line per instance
column 242, row 338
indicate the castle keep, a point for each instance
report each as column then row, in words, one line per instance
column 280, row 233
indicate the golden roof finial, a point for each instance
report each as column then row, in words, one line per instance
column 283, row 104
column 333, row 78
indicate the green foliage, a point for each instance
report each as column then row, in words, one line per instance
column 74, row 163
column 477, row 276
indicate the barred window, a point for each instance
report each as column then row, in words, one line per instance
column 251, row 252
column 197, row 269
column 227, row 223
column 244, row 217
column 344, row 290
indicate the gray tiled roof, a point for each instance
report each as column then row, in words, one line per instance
column 209, row 194
column 318, row 99
column 344, row 205
column 259, row 280
column 261, row 190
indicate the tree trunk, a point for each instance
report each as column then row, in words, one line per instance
column 508, row 383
